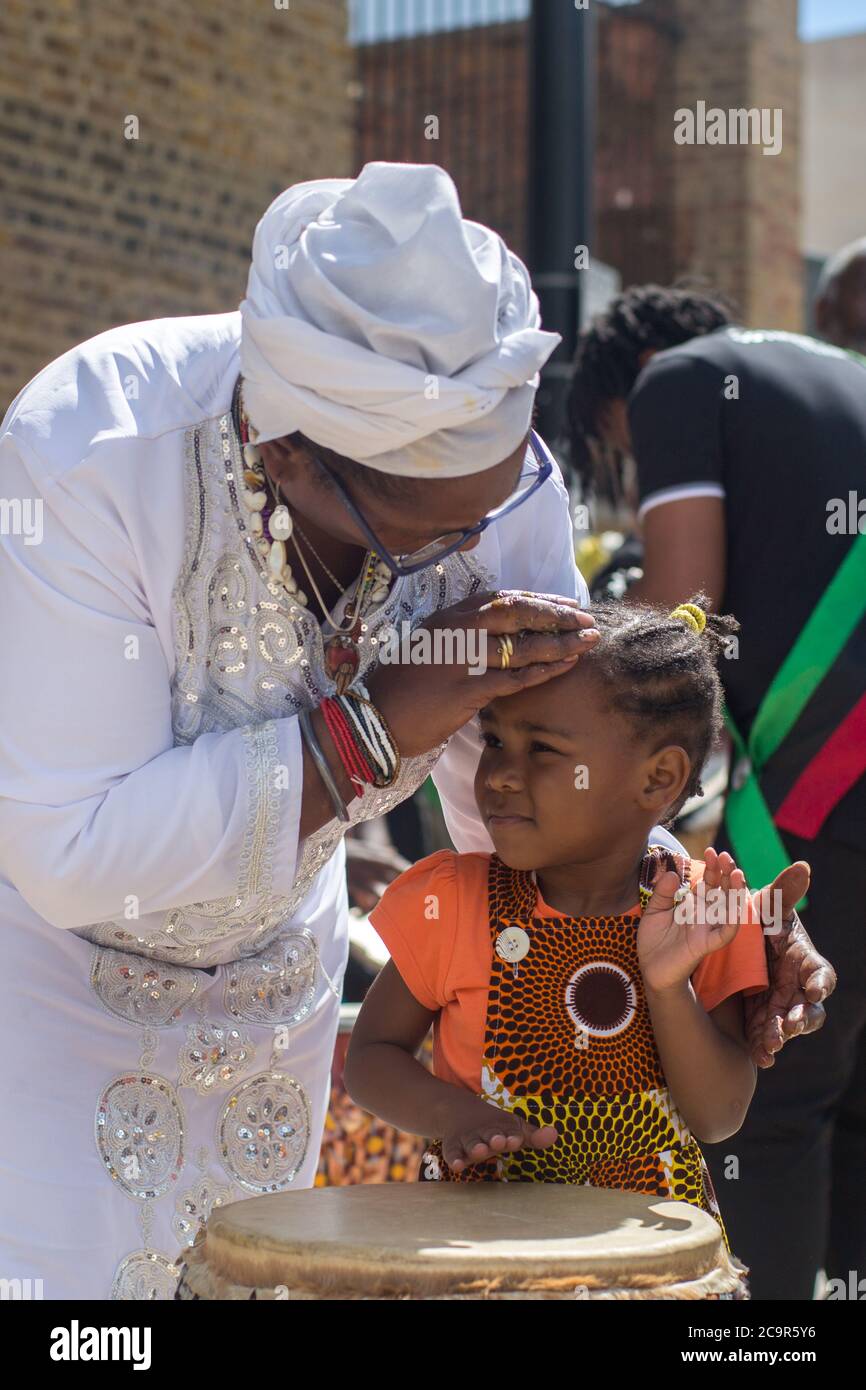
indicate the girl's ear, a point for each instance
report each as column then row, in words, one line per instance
column 666, row 774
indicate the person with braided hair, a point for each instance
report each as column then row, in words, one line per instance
column 742, row 455
column 588, row 1002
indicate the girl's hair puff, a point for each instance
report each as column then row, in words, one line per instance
column 662, row 677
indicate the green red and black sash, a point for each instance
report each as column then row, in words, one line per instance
column 753, row 829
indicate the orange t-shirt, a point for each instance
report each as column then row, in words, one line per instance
column 435, row 922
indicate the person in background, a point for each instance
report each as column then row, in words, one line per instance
column 744, row 446
column 840, row 299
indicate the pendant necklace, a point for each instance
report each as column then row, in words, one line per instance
column 272, row 526
column 342, row 650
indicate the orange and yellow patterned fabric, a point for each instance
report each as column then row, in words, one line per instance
column 567, row 1037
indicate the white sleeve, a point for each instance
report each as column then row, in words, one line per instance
column 96, row 804
column 537, row 553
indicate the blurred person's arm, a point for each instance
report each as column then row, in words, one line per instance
column 675, row 426
column 684, row 552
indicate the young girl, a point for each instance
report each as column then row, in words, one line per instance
column 583, row 1031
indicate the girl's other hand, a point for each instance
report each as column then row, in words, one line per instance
column 480, row 1131
column 672, row 944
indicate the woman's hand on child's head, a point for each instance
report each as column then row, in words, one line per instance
column 674, row 938
column 484, row 1131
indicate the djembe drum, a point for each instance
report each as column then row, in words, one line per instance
column 460, row 1241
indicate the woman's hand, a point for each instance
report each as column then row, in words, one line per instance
column 474, row 1131
column 672, row 944
column 461, row 671
column 800, row 978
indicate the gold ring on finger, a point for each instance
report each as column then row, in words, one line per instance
column 506, row 651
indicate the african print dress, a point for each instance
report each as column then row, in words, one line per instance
column 569, row 1042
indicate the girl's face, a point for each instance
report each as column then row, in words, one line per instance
column 561, row 774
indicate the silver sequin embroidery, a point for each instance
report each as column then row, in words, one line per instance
column 148, row 993
column 194, row 1206
column 145, row 1276
column 139, row 1134
column 263, row 1132
column 213, row 1056
column 278, row 986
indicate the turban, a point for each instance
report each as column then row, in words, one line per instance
column 387, row 327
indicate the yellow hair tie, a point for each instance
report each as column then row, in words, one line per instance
column 693, row 615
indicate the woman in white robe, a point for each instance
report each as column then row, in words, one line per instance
column 172, row 944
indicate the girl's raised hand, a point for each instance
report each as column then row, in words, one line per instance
column 673, row 938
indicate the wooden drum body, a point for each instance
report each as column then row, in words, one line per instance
column 460, row 1241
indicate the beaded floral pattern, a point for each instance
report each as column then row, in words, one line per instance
column 213, row 1056
column 278, row 986
column 139, row 1134
column 194, row 1206
column 263, row 1132
column 145, row 1276
column 148, row 993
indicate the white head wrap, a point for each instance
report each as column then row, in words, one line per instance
column 387, row 327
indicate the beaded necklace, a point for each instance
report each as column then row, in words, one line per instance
column 272, row 526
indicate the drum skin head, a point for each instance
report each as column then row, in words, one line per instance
column 404, row 1240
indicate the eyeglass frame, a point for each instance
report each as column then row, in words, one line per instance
column 545, row 467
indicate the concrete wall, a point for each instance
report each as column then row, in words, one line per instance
column 834, row 143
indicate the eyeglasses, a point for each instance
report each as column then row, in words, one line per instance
column 529, row 481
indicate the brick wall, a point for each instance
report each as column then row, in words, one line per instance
column 475, row 81
column 736, row 211
column 633, row 172
column 662, row 210
column 234, row 103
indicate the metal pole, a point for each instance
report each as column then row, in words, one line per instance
column 562, row 111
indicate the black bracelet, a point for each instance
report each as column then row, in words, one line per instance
column 309, row 735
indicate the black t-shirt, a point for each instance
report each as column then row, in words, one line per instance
column 776, row 424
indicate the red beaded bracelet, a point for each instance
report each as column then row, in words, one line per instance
column 357, row 768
